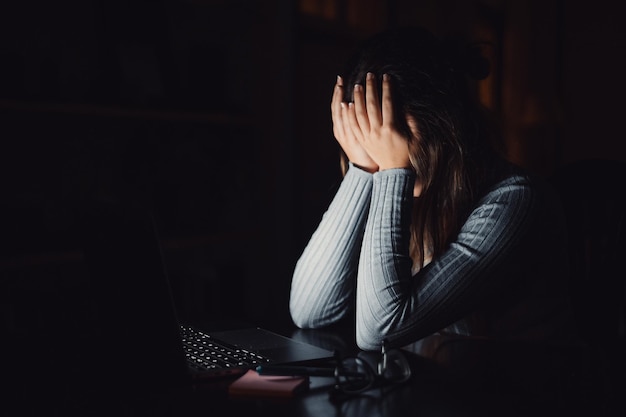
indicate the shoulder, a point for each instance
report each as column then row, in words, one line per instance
column 519, row 193
column 509, row 183
column 514, row 193
column 509, row 180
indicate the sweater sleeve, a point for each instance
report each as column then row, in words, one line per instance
column 393, row 304
column 324, row 278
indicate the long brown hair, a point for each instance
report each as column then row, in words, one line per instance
column 451, row 152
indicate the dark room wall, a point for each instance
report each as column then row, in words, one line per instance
column 594, row 85
column 213, row 115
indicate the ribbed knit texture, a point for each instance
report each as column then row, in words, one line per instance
column 362, row 245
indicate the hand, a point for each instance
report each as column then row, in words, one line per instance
column 344, row 134
column 372, row 123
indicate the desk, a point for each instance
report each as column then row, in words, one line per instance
column 451, row 377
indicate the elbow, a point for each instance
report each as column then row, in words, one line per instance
column 374, row 328
column 300, row 321
column 313, row 311
column 371, row 324
column 309, row 317
column 365, row 343
column 303, row 316
column 299, row 307
column 369, row 336
column 299, row 317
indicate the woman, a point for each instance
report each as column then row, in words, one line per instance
column 429, row 229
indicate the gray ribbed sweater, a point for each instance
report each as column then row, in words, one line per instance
column 505, row 267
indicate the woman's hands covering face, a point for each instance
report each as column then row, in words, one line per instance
column 365, row 129
column 344, row 134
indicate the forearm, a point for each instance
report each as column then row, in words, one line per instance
column 324, row 277
column 392, row 304
column 385, row 265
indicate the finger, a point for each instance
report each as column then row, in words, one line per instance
column 387, row 103
column 337, row 97
column 341, row 124
column 336, row 111
column 353, row 123
column 359, row 109
column 371, row 98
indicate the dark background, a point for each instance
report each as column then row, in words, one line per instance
column 214, row 116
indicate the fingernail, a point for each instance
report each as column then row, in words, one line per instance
column 369, row 76
column 339, row 79
column 386, row 77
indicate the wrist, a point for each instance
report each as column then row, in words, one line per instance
column 369, row 169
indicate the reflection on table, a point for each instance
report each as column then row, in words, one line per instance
column 451, row 376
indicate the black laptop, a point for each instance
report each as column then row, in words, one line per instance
column 137, row 324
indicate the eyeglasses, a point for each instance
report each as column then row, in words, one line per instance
column 354, row 375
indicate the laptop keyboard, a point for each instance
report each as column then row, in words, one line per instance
column 204, row 352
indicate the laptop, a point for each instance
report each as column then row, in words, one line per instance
column 137, row 327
